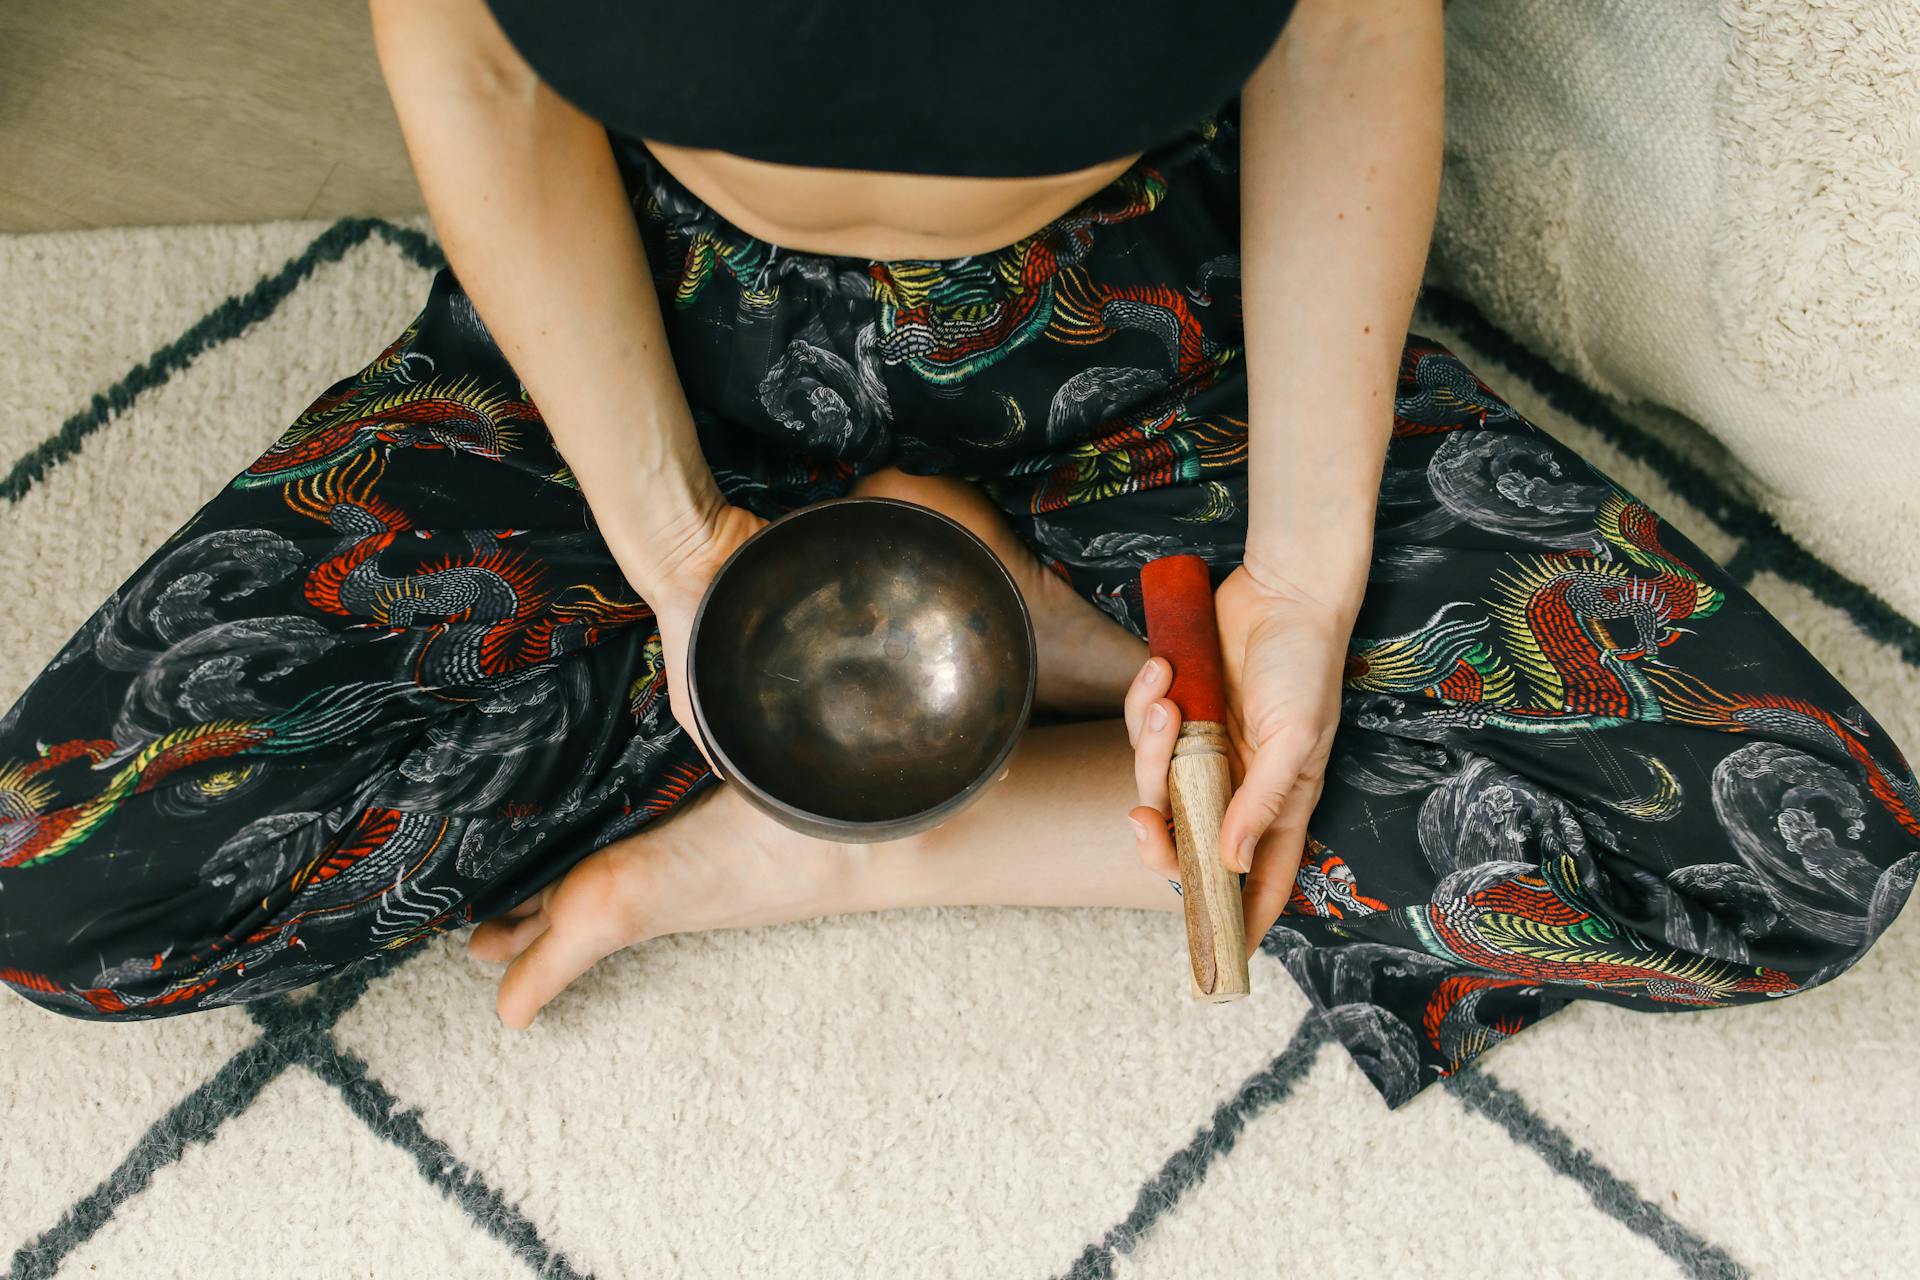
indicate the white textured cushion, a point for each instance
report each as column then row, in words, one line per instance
column 1715, row 208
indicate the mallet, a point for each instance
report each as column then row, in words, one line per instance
column 1178, row 594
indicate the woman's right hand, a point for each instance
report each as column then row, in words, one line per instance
column 671, row 570
column 537, row 224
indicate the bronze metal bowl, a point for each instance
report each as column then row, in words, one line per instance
column 861, row 668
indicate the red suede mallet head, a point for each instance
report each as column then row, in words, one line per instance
column 1178, row 594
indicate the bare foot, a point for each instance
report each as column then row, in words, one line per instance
column 1087, row 660
column 715, row 863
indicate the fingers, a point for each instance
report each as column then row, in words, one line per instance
column 1276, row 862
column 691, row 728
column 1153, row 752
column 1154, row 844
column 1277, row 765
column 675, row 622
column 1152, row 681
column 1153, row 726
column 681, row 703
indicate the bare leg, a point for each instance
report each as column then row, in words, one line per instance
column 1086, row 658
column 1052, row 832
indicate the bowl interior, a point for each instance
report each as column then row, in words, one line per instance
column 862, row 661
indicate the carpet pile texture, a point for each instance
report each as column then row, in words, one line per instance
column 1711, row 205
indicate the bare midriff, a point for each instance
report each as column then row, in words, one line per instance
column 867, row 213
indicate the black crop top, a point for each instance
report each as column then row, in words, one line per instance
column 994, row 88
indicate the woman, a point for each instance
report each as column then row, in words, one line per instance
column 420, row 664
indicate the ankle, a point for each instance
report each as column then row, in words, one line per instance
column 890, row 874
column 734, row 867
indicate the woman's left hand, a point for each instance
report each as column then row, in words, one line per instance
column 1283, row 654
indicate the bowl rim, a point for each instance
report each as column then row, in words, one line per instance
column 807, row 819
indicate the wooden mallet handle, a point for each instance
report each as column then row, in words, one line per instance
column 1178, row 594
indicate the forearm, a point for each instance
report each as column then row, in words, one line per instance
column 526, row 198
column 1342, row 128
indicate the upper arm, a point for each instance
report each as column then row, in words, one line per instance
column 1320, row 35
column 445, row 44
column 1359, row 17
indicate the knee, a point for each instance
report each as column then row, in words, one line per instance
column 891, row 482
column 950, row 495
column 1820, row 859
column 1808, row 921
column 959, row 500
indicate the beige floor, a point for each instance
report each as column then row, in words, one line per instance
column 131, row 112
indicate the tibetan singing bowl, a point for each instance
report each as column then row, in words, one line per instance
column 861, row 668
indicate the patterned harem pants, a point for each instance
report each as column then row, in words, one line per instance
column 389, row 681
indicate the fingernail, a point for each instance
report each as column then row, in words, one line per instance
column 1157, row 718
column 1139, row 831
column 1152, row 673
column 1246, row 854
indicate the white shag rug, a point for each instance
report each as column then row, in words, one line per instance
column 1712, row 205
column 1018, row 1099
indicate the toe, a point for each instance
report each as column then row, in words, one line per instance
column 498, row 941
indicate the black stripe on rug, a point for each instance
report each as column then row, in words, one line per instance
column 417, row 245
column 460, row 1182
column 227, row 1093
column 1187, row 1167
column 1611, row 1194
column 296, row 1030
column 195, row 1118
column 224, row 323
column 1767, row 546
column 302, row 1030
column 321, row 1005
